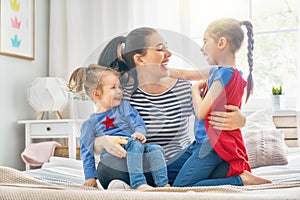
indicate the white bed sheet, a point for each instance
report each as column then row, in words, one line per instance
column 59, row 170
column 67, row 171
column 283, row 173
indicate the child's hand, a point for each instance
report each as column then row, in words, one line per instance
column 197, row 86
column 139, row 136
column 90, row 183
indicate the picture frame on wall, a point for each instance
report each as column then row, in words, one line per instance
column 17, row 28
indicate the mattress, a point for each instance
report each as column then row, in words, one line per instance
column 62, row 178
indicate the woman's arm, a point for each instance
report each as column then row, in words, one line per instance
column 189, row 74
column 112, row 144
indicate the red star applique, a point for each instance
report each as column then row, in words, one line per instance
column 108, row 122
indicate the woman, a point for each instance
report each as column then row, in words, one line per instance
column 164, row 103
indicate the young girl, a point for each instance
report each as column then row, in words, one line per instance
column 115, row 117
column 225, row 85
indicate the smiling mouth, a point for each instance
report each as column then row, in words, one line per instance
column 206, row 56
column 164, row 65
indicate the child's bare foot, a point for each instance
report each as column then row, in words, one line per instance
column 144, row 187
column 250, row 179
column 168, row 185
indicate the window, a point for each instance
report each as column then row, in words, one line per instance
column 275, row 33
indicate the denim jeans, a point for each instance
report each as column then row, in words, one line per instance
column 136, row 154
column 198, row 165
column 108, row 172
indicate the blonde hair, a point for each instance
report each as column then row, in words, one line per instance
column 232, row 30
column 87, row 79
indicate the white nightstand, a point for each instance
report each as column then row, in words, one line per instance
column 56, row 128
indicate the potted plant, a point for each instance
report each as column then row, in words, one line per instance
column 276, row 96
column 277, row 90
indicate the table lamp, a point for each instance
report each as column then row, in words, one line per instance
column 48, row 94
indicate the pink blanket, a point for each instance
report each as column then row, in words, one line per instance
column 35, row 154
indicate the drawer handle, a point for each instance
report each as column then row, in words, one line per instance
column 48, row 128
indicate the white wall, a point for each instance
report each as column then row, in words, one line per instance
column 16, row 75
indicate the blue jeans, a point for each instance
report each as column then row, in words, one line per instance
column 108, row 172
column 195, row 165
column 136, row 153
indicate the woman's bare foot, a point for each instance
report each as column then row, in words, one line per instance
column 250, row 179
column 144, row 187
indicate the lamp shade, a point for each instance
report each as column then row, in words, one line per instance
column 48, row 94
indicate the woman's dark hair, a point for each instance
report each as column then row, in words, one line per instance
column 119, row 53
column 109, row 55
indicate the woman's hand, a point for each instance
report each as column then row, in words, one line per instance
column 227, row 120
column 139, row 136
column 91, row 182
column 112, row 144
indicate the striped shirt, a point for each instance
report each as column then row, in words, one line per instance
column 166, row 115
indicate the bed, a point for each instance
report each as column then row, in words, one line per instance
column 61, row 178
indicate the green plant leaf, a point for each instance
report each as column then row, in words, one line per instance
column 277, row 90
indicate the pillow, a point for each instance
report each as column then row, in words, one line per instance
column 265, row 147
column 260, row 120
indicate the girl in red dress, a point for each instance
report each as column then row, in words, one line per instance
column 225, row 86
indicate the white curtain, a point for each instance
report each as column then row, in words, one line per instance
column 78, row 28
column 298, row 75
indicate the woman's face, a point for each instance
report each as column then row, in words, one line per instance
column 156, row 59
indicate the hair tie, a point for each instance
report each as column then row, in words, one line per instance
column 120, row 51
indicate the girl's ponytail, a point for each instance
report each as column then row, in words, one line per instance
column 250, row 83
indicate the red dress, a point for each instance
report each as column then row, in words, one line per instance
column 229, row 145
